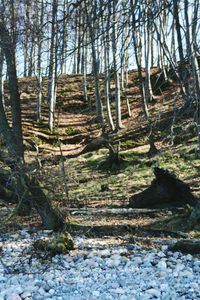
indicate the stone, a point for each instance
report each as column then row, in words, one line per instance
column 164, row 248
column 162, row 265
column 26, row 295
column 13, row 297
column 51, row 291
column 154, row 292
column 119, row 291
column 96, row 293
column 179, row 267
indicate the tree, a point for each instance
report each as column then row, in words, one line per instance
column 113, row 12
column 27, row 188
column 105, row 23
column 183, row 69
column 65, row 12
column 52, row 67
column 1, row 75
column 93, row 25
column 39, row 61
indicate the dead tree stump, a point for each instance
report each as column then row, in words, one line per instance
column 166, row 190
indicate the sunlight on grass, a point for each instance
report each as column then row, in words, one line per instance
column 133, row 174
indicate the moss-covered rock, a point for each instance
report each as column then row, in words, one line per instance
column 58, row 243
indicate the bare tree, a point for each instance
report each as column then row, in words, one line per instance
column 27, row 189
column 113, row 12
column 39, row 59
column 92, row 23
column 1, row 75
column 52, row 67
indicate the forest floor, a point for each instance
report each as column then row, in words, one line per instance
column 95, row 193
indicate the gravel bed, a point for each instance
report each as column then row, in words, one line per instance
column 95, row 271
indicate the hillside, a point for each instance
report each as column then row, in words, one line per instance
column 88, row 180
column 116, row 247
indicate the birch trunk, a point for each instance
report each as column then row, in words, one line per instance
column 147, row 47
column 52, row 68
column 106, row 45
column 1, row 76
column 39, row 66
column 190, row 38
column 116, row 67
column 64, row 38
column 92, row 26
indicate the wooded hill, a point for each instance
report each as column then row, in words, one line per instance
column 97, row 132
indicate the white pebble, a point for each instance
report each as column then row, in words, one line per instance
column 96, row 293
column 26, row 295
column 119, row 291
column 162, row 265
column 154, row 292
column 13, row 297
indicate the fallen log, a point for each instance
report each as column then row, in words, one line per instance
column 186, row 246
column 166, row 189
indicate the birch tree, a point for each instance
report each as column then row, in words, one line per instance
column 39, row 60
column 113, row 12
column 64, row 37
column 52, row 67
column 105, row 23
column 92, row 23
column 2, row 76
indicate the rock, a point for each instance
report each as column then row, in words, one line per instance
column 164, row 248
column 160, row 254
column 154, row 293
column 13, row 297
column 2, row 279
column 111, row 262
column 51, row 291
column 119, row 291
column 179, row 267
column 162, row 265
column 110, row 272
column 130, row 247
column 96, row 293
column 91, row 263
column 26, row 295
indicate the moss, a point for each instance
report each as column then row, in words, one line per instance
column 58, row 243
column 47, row 131
column 35, row 140
column 72, row 131
column 88, row 155
column 94, row 126
column 127, row 144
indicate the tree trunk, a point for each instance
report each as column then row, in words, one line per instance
column 1, row 76
column 28, row 190
column 92, row 24
column 39, row 67
column 52, row 68
column 116, row 68
column 106, row 46
column 64, row 38
column 8, row 48
column 183, row 70
column 51, row 219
